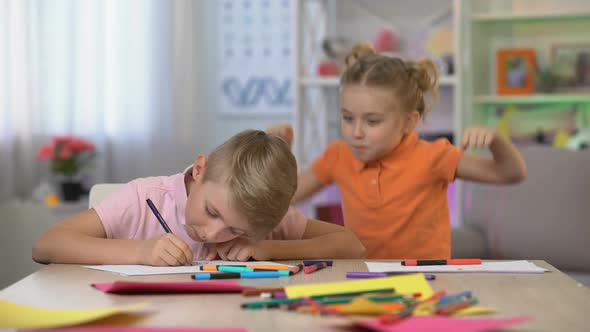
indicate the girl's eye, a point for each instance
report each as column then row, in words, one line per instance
column 373, row 122
column 347, row 118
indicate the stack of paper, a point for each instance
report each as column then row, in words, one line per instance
column 496, row 267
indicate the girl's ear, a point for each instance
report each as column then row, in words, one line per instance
column 412, row 121
column 199, row 166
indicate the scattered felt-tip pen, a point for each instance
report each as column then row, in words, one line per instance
column 314, row 267
column 297, row 268
column 233, row 275
column 457, row 261
column 360, row 275
column 312, row 262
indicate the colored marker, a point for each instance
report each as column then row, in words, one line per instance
column 358, row 275
column 395, row 317
column 207, row 276
column 460, row 261
column 158, row 216
column 451, row 297
column 314, row 267
column 385, row 291
column 258, row 291
column 255, row 267
column 379, row 298
column 313, row 262
column 296, row 269
column 449, row 309
column 243, row 275
column 268, row 303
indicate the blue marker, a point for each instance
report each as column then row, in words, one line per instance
column 451, row 297
column 239, row 269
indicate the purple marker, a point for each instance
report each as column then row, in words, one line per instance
column 357, row 275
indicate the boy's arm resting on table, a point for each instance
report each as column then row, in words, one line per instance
column 320, row 240
column 82, row 240
column 307, row 185
column 506, row 164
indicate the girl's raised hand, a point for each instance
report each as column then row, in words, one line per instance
column 478, row 137
column 283, row 130
column 166, row 250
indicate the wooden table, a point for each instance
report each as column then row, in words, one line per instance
column 556, row 301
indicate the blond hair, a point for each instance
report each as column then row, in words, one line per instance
column 410, row 81
column 260, row 171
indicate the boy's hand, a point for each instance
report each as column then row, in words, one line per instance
column 283, row 130
column 166, row 250
column 478, row 137
column 238, row 249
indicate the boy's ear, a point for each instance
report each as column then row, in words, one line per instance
column 412, row 122
column 199, row 166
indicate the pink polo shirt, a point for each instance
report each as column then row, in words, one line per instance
column 126, row 215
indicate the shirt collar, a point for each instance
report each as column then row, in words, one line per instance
column 408, row 141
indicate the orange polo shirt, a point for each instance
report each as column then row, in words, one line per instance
column 396, row 206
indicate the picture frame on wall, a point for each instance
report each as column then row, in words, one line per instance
column 570, row 63
column 515, row 69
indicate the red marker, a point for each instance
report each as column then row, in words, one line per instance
column 460, row 261
column 314, row 267
column 296, row 269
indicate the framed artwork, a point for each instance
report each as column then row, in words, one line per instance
column 515, row 71
column 571, row 65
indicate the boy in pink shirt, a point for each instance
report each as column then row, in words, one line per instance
column 236, row 201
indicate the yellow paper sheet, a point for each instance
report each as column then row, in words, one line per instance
column 409, row 283
column 13, row 315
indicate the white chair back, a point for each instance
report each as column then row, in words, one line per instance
column 100, row 191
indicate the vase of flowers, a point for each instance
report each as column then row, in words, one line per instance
column 68, row 156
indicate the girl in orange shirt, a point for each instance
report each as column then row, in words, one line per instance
column 393, row 184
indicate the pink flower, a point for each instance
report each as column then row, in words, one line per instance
column 77, row 145
column 45, row 152
column 65, row 153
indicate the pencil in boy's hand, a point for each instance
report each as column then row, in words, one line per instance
column 315, row 267
column 158, row 215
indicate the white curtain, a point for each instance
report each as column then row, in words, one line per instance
column 101, row 69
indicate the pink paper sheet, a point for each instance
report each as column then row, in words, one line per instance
column 170, row 287
column 142, row 329
column 439, row 323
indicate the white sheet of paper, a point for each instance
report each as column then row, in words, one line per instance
column 492, row 267
column 139, row 270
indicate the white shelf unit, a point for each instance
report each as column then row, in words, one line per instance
column 316, row 98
